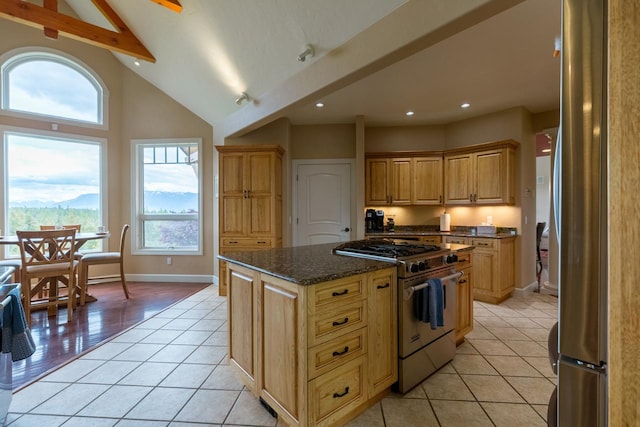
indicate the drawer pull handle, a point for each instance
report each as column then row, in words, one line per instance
column 337, row 294
column 261, row 242
column 346, row 319
column 233, row 241
column 340, row 353
column 462, row 281
column 483, row 244
column 383, row 286
column 337, row 395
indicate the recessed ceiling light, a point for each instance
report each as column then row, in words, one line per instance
column 465, row 105
column 136, row 63
column 409, row 113
column 319, row 104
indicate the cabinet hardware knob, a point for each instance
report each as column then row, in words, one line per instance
column 340, row 353
column 346, row 229
column 337, row 294
column 383, row 286
column 338, row 323
column 336, row 395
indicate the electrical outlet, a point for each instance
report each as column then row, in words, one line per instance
column 169, row 260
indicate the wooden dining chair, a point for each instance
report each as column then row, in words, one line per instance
column 100, row 258
column 76, row 227
column 47, row 261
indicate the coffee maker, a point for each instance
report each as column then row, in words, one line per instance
column 374, row 220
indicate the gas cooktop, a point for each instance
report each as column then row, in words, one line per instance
column 385, row 248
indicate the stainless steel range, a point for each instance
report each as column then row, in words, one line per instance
column 422, row 350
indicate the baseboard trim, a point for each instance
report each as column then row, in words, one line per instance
column 172, row 278
column 529, row 289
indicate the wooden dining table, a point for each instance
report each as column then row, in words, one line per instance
column 81, row 239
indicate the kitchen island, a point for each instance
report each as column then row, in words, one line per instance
column 312, row 334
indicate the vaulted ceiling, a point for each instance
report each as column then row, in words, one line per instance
column 373, row 58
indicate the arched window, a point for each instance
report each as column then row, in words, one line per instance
column 51, row 85
column 50, row 177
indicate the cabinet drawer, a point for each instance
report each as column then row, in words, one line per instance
column 464, row 260
column 431, row 240
column 339, row 292
column 485, row 243
column 242, row 242
column 455, row 239
column 335, row 394
column 333, row 322
column 326, row 357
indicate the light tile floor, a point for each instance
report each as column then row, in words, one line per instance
column 171, row 370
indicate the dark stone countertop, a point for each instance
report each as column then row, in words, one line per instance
column 413, row 233
column 305, row 265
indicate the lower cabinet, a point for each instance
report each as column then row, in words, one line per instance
column 319, row 354
column 464, row 297
column 493, row 266
column 493, row 269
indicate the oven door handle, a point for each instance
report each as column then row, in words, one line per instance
column 408, row 292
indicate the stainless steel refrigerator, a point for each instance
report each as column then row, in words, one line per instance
column 582, row 208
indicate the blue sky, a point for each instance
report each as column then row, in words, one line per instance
column 57, row 169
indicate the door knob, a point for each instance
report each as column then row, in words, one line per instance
column 346, row 229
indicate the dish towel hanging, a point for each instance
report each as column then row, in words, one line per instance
column 429, row 304
column 16, row 336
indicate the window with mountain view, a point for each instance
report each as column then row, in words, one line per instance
column 52, row 181
column 51, row 178
column 168, row 196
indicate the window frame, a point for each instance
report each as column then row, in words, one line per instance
column 137, row 191
column 81, row 139
column 15, row 57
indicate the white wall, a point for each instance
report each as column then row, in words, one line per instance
column 543, row 188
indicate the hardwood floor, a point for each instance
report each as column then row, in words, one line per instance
column 58, row 341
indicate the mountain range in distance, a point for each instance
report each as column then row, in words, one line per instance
column 154, row 201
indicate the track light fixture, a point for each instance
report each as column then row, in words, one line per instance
column 309, row 52
column 244, row 96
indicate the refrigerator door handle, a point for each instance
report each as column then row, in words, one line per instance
column 599, row 369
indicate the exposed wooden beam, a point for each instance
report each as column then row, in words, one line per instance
column 36, row 16
column 51, row 5
column 170, row 4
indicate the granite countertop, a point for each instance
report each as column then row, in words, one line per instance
column 305, row 265
column 426, row 232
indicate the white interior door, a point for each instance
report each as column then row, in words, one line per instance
column 323, row 205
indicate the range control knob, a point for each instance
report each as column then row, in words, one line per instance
column 422, row 266
column 451, row 259
column 413, row 268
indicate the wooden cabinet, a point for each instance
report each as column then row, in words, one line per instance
column 480, row 176
column 427, row 182
column 388, row 181
column 250, row 201
column 456, row 239
column 383, row 344
column 493, row 269
column 316, row 354
column 464, row 296
column 403, row 180
column 242, row 318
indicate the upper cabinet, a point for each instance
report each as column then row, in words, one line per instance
column 388, row 181
column 427, row 181
column 403, row 180
column 481, row 175
column 476, row 175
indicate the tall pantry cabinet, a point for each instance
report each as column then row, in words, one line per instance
column 250, row 200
